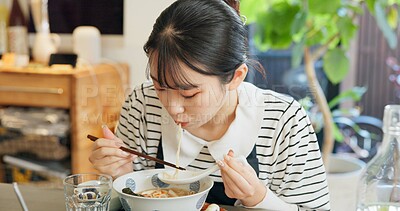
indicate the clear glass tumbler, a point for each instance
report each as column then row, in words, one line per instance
column 87, row 192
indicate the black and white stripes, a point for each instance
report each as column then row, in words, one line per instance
column 290, row 162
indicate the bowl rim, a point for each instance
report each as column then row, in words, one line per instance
column 109, row 179
column 157, row 171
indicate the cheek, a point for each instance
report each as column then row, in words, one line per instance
column 168, row 98
column 213, row 98
column 198, row 103
column 162, row 97
column 206, row 104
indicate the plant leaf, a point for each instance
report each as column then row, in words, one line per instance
column 275, row 26
column 297, row 54
column 282, row 15
column 371, row 5
column 336, row 65
column 315, row 39
column 357, row 9
column 347, row 30
column 392, row 17
column 337, row 134
column 322, row 7
column 262, row 32
column 383, row 25
column 251, row 9
column 391, row 2
column 280, row 41
column 299, row 22
column 354, row 94
column 322, row 28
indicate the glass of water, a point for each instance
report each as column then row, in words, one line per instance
column 86, row 192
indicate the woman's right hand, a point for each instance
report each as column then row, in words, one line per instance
column 107, row 158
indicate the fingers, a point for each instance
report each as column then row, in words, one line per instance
column 107, row 133
column 238, row 165
column 108, row 158
column 108, row 155
column 117, row 168
column 106, row 152
column 240, row 179
column 109, row 140
column 102, row 142
column 234, row 189
column 116, row 162
column 112, row 161
column 234, row 175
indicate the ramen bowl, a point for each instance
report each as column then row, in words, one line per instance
column 145, row 180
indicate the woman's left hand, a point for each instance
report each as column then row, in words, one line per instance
column 241, row 181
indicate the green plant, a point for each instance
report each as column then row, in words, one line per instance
column 354, row 94
column 317, row 29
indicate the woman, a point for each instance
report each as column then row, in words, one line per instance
column 197, row 63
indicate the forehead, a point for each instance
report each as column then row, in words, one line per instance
column 174, row 74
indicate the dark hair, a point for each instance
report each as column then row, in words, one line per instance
column 208, row 36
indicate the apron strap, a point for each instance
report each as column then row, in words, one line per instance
column 160, row 155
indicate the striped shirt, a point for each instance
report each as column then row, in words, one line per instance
column 290, row 163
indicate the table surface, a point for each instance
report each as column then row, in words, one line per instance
column 43, row 199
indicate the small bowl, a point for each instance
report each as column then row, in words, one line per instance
column 148, row 179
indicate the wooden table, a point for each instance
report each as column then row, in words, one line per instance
column 39, row 199
column 35, row 198
column 93, row 96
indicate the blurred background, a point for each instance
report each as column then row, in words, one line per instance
column 372, row 81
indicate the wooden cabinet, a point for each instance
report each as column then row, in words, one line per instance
column 93, row 96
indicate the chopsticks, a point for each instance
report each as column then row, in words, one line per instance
column 94, row 138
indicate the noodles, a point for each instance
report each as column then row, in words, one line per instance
column 179, row 150
column 160, row 192
column 175, row 174
column 166, row 193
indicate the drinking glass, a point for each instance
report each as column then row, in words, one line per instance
column 84, row 192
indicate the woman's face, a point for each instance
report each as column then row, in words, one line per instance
column 194, row 107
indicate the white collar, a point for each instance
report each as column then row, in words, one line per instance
column 240, row 136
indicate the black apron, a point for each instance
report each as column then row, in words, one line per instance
column 217, row 193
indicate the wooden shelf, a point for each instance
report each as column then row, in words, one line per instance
column 94, row 97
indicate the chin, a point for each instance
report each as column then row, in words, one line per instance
column 191, row 125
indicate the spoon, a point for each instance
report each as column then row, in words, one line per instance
column 185, row 177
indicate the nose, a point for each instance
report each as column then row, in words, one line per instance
column 175, row 104
column 176, row 109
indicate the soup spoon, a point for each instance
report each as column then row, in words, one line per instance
column 185, row 177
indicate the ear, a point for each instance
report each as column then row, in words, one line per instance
column 238, row 78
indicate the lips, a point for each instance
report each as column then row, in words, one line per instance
column 183, row 124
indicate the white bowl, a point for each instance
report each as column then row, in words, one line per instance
column 147, row 179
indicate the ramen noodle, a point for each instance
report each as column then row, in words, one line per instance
column 166, row 193
column 175, row 174
column 179, row 150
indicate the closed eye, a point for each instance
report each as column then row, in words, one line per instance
column 160, row 89
column 190, row 96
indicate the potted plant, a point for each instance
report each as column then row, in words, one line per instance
column 318, row 30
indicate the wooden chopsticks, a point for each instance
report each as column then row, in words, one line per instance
column 94, row 138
